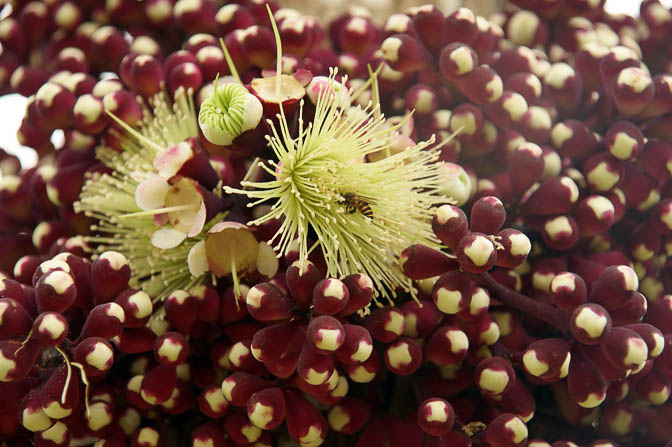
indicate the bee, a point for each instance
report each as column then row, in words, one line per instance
column 353, row 203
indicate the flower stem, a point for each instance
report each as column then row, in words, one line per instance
column 554, row 316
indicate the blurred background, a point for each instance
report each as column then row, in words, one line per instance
column 12, row 106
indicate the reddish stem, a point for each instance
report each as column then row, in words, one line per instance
column 552, row 315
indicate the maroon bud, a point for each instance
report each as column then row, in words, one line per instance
column 240, row 386
column 232, row 17
column 614, row 286
column 186, row 75
column 386, row 324
column 55, row 436
column 590, row 323
column 271, row 342
column 330, row 296
column 14, row 319
column 624, row 140
column 555, row 195
column 573, row 138
column 50, row 329
column 104, row 320
column 617, row 420
column 547, row 359
column 536, row 124
column 96, row 355
column 365, row 372
column 405, row 54
column 487, row 215
column 403, row 357
column 457, row 60
column 181, row 310
column 569, row 291
column 301, row 283
column 655, row 387
column 325, row 334
column 563, row 86
column 447, row 346
column 213, row 403
column 527, row 162
column 146, row 437
column 259, row 46
column 358, row 34
column 357, row 345
column 55, row 291
column 349, row 415
column 158, row 384
column 526, row 84
column 60, row 394
column 586, row 384
column 241, row 358
column 662, row 98
column 560, row 233
column 450, row 224
column 624, row 348
column 506, row 430
column 481, row 85
column 660, row 313
column 452, row 291
column 108, row 47
column 459, row 26
column 146, row 75
column 110, row 274
column 171, row 349
column 314, row 367
column 305, row 423
column 476, row 253
column 436, row 416
column 421, row 262
column 195, row 16
column 30, row 412
column 519, row 401
column 595, row 214
column 123, row 105
column 266, row 408
column 55, row 104
column 632, row 90
column 89, row 114
column 137, row 307
column 515, row 246
column 135, row 340
column 360, row 291
column 641, row 190
column 661, row 216
column 494, row 376
column 421, row 317
column 266, row 302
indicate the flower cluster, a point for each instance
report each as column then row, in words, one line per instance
column 445, row 230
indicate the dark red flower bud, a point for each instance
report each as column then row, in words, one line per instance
column 301, row 284
column 325, row 334
column 386, row 324
column 436, row 416
column 403, row 357
column 476, row 253
column 110, row 274
column 266, row 408
column 422, row 262
column 405, row 54
column 547, row 359
column 494, row 376
column 506, row 430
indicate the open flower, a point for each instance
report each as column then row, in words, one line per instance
column 147, row 207
column 362, row 214
column 181, row 202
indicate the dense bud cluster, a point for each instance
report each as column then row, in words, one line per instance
column 239, row 245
